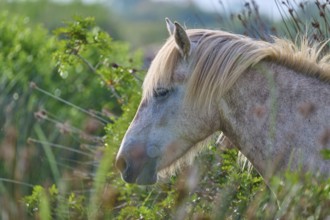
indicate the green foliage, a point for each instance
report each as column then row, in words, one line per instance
column 25, row 55
column 42, row 200
column 326, row 154
column 52, row 13
column 39, row 91
column 33, row 201
column 313, row 199
column 85, row 47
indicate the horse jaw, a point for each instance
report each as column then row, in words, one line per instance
column 186, row 159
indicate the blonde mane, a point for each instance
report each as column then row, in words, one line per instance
column 219, row 58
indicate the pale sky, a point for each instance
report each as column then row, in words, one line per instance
column 267, row 7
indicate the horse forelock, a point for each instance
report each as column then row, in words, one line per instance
column 161, row 70
column 219, row 58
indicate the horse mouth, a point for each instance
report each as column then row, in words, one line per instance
column 148, row 179
column 145, row 174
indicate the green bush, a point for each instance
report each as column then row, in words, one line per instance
column 57, row 94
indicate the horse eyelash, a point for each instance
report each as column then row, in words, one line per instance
column 161, row 92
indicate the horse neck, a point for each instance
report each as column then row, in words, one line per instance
column 265, row 115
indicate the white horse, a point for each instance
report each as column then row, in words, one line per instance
column 272, row 100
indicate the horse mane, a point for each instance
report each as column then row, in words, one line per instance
column 219, row 58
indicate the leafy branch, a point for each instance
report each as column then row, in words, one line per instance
column 83, row 42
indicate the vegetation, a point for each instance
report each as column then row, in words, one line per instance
column 67, row 98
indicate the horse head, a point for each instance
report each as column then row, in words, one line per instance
column 166, row 128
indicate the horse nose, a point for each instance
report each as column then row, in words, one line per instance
column 134, row 164
column 121, row 164
column 127, row 171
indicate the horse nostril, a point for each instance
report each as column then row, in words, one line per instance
column 121, row 164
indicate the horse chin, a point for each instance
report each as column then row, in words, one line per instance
column 141, row 172
column 148, row 175
column 148, row 179
column 143, row 178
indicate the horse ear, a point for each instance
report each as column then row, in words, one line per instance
column 182, row 40
column 170, row 26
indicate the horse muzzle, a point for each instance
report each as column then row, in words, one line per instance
column 135, row 165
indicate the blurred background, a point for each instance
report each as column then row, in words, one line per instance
column 141, row 22
column 144, row 18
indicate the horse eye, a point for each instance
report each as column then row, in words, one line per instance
column 161, row 92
